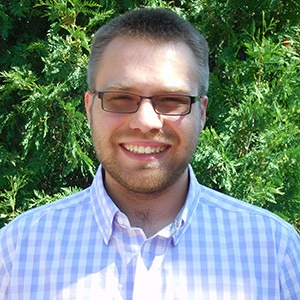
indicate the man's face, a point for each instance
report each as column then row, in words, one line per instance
column 145, row 152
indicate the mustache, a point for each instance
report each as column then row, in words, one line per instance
column 160, row 136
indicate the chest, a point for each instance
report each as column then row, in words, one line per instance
column 130, row 267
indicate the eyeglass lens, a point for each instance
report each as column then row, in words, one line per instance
column 129, row 103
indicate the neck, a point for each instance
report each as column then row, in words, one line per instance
column 150, row 212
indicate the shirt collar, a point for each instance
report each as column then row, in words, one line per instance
column 185, row 216
column 105, row 210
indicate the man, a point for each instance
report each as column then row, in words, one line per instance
column 146, row 229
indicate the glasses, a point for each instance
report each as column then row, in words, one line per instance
column 129, row 103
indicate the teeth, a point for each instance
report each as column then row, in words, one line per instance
column 144, row 150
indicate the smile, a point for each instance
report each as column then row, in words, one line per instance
column 144, row 149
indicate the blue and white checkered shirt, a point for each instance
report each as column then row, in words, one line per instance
column 82, row 247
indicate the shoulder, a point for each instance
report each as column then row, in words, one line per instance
column 218, row 200
column 221, row 210
column 245, row 215
column 50, row 213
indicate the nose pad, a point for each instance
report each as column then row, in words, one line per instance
column 146, row 119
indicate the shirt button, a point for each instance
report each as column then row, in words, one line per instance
column 120, row 220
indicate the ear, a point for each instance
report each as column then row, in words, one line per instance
column 204, row 102
column 88, row 101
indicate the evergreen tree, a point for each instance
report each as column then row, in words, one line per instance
column 249, row 149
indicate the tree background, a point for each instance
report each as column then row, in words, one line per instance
column 250, row 148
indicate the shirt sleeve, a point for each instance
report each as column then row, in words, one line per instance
column 290, row 271
column 6, row 258
column 4, row 280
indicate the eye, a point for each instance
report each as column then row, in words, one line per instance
column 120, row 102
column 173, row 100
column 114, row 97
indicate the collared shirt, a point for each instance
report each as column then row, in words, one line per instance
column 83, row 247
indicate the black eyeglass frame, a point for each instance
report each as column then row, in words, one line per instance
column 193, row 99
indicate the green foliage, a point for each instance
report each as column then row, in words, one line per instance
column 249, row 149
column 45, row 140
column 8, row 205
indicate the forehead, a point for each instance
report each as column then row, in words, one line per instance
column 127, row 61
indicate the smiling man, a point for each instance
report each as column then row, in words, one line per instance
column 146, row 229
column 148, row 136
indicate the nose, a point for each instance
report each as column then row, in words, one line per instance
column 146, row 119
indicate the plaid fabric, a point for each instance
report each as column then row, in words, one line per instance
column 82, row 247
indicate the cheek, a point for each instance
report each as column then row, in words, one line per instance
column 99, row 127
column 105, row 128
column 189, row 130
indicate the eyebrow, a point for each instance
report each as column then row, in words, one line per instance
column 118, row 86
column 165, row 90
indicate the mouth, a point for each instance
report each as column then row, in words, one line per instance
column 138, row 149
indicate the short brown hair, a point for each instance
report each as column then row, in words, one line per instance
column 155, row 24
